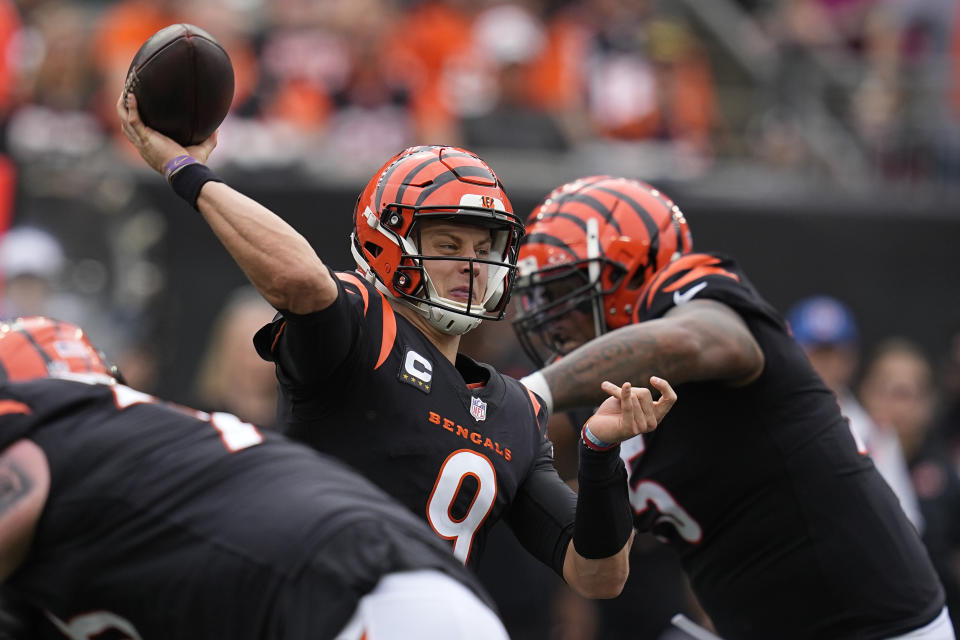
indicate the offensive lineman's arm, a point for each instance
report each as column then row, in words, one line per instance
column 277, row 259
column 24, row 486
column 700, row 340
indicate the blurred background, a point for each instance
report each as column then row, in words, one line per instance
column 817, row 141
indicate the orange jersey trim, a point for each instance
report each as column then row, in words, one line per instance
column 475, row 385
column 389, row 319
column 389, row 331
column 14, row 406
column 699, row 266
column 273, row 345
column 536, row 408
column 352, row 279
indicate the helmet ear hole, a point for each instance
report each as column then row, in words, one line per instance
column 407, row 278
column 617, row 274
column 373, row 249
column 638, row 279
column 402, row 282
column 392, row 218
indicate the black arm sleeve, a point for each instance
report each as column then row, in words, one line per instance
column 604, row 516
column 543, row 511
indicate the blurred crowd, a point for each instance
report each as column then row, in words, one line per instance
column 858, row 86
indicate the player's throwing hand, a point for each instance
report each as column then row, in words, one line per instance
column 154, row 147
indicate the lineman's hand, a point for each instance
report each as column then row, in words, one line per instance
column 631, row 411
column 154, row 147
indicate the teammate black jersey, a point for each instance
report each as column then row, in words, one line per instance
column 784, row 529
column 461, row 446
column 163, row 523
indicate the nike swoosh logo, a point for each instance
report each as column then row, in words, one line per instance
column 686, row 296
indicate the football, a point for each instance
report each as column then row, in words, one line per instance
column 183, row 81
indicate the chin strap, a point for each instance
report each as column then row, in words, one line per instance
column 443, row 320
column 447, row 321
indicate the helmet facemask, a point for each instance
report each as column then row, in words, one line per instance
column 559, row 308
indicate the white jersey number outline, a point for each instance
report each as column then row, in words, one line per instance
column 234, row 432
column 647, row 492
column 87, row 626
column 455, row 468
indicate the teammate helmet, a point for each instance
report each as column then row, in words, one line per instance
column 435, row 183
column 39, row 347
column 592, row 245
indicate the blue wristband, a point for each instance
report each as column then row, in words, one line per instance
column 593, row 441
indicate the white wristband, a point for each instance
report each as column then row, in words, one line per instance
column 538, row 384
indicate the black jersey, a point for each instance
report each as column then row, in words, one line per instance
column 163, row 522
column 784, row 529
column 461, row 446
column 937, row 486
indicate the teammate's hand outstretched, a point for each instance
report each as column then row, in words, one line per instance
column 631, row 411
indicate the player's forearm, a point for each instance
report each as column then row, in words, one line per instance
column 277, row 259
column 597, row 560
column 24, row 487
column 598, row 579
column 702, row 340
column 633, row 353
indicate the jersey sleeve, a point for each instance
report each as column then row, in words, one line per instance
column 16, row 417
column 700, row 276
column 313, row 348
column 544, row 510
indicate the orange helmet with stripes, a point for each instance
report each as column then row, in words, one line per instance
column 435, row 183
column 592, row 245
column 39, row 347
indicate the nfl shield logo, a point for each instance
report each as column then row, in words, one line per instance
column 478, row 409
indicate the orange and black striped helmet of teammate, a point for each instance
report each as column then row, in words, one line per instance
column 40, row 347
column 590, row 247
column 435, row 183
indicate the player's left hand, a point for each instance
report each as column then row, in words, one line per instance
column 630, row 411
